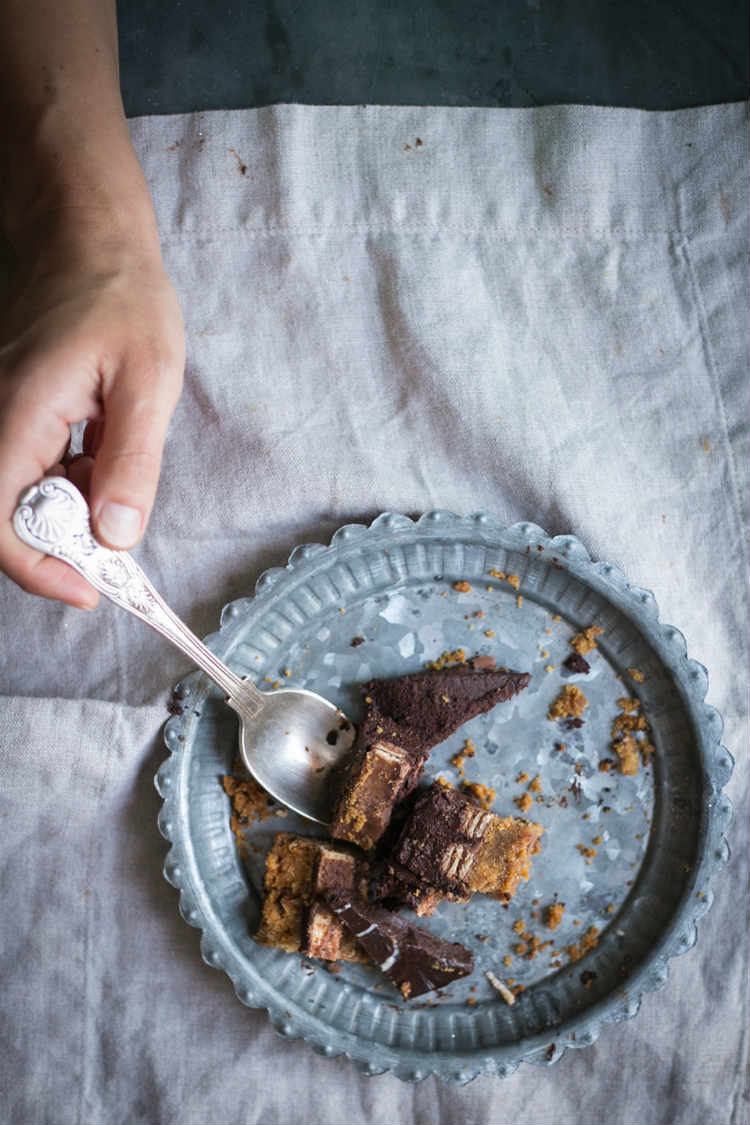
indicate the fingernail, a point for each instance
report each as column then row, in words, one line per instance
column 119, row 524
column 88, row 606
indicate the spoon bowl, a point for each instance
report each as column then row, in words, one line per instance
column 290, row 739
column 291, row 747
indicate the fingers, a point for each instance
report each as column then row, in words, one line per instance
column 79, row 472
column 92, row 437
column 43, row 575
column 24, row 435
column 137, row 410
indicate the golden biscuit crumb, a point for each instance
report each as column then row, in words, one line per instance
column 570, row 703
column 462, row 587
column 483, row 793
column 524, row 802
column 626, row 749
column 585, row 641
column 446, row 660
column 553, row 915
column 579, row 949
column 636, row 675
column 468, row 750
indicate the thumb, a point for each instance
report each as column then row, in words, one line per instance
column 137, row 410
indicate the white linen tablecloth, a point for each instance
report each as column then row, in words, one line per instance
column 541, row 313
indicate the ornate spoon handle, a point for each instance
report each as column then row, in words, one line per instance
column 53, row 517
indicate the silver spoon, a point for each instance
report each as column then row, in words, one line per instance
column 287, row 738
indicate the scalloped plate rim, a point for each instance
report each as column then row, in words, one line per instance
column 639, row 604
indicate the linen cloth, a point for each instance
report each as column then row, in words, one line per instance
column 540, row 313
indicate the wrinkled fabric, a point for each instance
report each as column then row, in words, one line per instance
column 539, row 313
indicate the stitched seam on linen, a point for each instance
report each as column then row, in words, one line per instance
column 252, row 233
column 714, row 373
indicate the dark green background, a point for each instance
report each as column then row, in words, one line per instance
column 183, row 55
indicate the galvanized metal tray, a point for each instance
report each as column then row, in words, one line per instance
column 630, row 856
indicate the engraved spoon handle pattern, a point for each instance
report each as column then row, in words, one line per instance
column 53, row 517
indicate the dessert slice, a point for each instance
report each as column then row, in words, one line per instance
column 415, row 960
column 292, row 919
column 451, row 846
column 405, row 718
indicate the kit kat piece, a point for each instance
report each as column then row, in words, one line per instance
column 452, row 845
column 332, row 870
column 415, row 960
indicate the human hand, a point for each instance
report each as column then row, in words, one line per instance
column 90, row 334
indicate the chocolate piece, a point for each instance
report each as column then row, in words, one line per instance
column 415, row 960
column 576, row 663
column 432, row 705
column 406, row 717
column 332, row 870
column 381, row 774
column 452, row 846
column 439, row 841
column 398, row 885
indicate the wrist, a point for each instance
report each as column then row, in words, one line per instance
column 77, row 190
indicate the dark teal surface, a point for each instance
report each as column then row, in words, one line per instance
column 182, row 55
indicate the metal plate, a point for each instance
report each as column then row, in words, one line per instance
column 657, row 836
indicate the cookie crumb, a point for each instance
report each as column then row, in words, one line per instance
column 571, row 702
column 636, row 675
column 553, row 915
column 445, row 660
column 462, row 587
column 483, row 793
column 585, row 641
column 512, row 579
column 444, row 782
column 524, row 802
column 580, row 948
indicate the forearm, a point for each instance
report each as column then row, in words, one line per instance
column 68, row 172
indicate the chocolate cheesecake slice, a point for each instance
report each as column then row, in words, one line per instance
column 415, row 960
column 405, row 718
